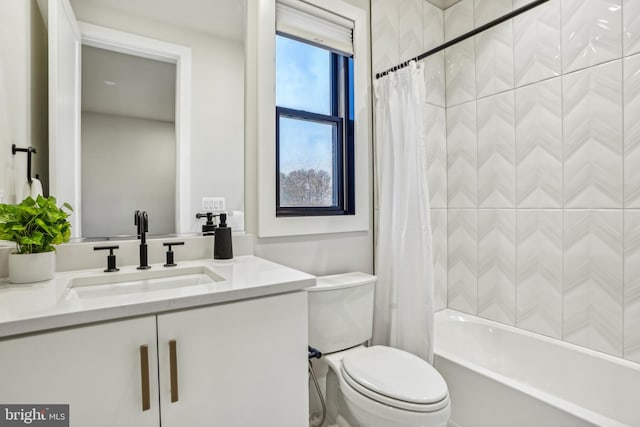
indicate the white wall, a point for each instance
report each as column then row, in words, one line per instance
column 315, row 254
column 23, row 93
column 217, row 124
column 135, row 157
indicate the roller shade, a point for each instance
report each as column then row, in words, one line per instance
column 306, row 22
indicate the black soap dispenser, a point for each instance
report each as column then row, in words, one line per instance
column 223, row 245
column 208, row 229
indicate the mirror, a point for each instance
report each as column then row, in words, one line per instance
column 213, row 30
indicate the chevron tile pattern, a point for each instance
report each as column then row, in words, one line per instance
column 436, row 137
column 462, row 249
column 593, row 287
column 462, row 160
column 539, row 272
column 631, row 27
column 497, row 265
column 488, row 10
column 592, row 109
column 632, row 131
column 519, row 3
column 434, row 79
column 553, row 143
column 591, row 33
column 460, row 73
column 494, row 60
column 538, row 121
column 439, row 237
column 496, row 151
column 433, row 25
column 632, row 285
column 536, row 45
column 458, row 19
column 384, row 34
column 411, row 31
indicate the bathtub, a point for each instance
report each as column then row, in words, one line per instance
column 501, row 376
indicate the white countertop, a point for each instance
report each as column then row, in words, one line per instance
column 29, row 308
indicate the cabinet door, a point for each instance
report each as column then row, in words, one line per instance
column 238, row 364
column 95, row 369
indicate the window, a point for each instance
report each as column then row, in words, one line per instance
column 314, row 129
column 334, row 26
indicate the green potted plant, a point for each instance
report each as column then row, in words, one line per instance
column 35, row 226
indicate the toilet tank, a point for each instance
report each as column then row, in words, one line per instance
column 341, row 311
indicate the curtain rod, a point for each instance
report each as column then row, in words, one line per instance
column 465, row 36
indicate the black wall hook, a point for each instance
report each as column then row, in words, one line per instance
column 29, row 151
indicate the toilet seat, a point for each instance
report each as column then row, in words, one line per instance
column 395, row 378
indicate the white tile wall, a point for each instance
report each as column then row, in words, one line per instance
column 433, row 35
column 556, row 170
column 462, row 156
column 593, row 282
column 411, row 29
column 497, row 265
column 536, row 44
column 539, row 280
column 496, row 151
column 591, row 33
column 631, row 26
column 385, row 41
column 632, row 131
column 462, row 249
column 536, row 213
column 434, row 79
column 458, row 19
column 539, row 144
column 439, row 236
column 494, row 60
column 435, row 124
column 433, row 25
column 592, row 122
column 488, row 10
column 460, row 73
column 632, row 285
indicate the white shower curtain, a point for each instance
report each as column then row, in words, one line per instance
column 404, row 266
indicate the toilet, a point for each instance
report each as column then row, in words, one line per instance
column 374, row 386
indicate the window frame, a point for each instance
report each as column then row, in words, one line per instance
column 342, row 67
column 261, row 127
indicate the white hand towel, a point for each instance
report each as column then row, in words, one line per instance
column 36, row 188
column 26, row 191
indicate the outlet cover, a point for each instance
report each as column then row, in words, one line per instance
column 213, row 204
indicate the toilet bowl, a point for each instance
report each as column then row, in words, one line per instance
column 374, row 386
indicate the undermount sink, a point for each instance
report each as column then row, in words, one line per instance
column 125, row 283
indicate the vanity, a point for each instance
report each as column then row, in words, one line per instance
column 205, row 343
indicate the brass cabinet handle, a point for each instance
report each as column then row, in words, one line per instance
column 173, row 370
column 144, row 377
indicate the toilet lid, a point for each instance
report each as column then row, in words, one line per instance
column 395, row 374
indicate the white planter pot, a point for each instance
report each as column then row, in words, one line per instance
column 29, row 268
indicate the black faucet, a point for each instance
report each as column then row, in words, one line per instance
column 141, row 220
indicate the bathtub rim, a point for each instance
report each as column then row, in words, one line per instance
column 578, row 411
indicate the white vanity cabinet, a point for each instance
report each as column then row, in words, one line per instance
column 238, row 364
column 95, row 369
